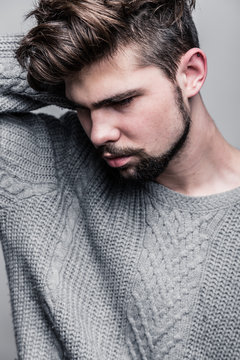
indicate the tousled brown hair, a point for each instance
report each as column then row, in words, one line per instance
column 71, row 34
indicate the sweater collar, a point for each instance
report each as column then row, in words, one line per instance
column 162, row 194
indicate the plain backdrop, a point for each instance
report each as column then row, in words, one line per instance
column 218, row 23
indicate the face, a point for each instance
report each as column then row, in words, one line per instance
column 135, row 117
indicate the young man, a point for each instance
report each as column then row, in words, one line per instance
column 119, row 221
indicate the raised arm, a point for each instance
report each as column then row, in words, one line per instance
column 27, row 140
column 15, row 94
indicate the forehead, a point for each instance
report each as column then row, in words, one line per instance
column 121, row 62
column 110, row 76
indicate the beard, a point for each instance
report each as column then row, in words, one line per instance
column 148, row 167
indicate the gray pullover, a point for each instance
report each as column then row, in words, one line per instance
column 101, row 269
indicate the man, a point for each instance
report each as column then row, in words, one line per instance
column 119, row 221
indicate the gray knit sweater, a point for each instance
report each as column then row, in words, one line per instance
column 107, row 270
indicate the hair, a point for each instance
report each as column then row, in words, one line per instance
column 72, row 34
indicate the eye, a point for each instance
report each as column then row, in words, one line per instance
column 84, row 115
column 124, row 102
column 79, row 108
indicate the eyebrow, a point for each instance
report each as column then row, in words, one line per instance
column 112, row 100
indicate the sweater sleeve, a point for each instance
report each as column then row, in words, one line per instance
column 37, row 151
column 16, row 96
column 27, row 154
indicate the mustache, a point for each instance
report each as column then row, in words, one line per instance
column 119, row 152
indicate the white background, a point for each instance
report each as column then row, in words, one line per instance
column 218, row 23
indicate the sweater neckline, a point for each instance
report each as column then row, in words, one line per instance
column 171, row 198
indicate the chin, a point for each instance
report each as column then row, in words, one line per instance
column 133, row 175
column 128, row 173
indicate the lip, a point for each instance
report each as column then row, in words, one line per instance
column 117, row 161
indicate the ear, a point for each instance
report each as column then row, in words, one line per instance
column 192, row 72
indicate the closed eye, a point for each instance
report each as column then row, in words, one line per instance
column 79, row 107
column 124, row 102
column 115, row 103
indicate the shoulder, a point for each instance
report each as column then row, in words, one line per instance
column 26, row 145
column 39, row 149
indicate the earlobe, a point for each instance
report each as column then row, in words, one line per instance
column 192, row 72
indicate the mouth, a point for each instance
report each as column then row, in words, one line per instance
column 116, row 161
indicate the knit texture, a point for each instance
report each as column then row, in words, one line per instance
column 102, row 269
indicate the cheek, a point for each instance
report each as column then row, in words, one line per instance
column 156, row 125
column 160, row 114
column 150, row 121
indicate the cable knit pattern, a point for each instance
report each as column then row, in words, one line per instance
column 218, row 303
column 101, row 269
column 167, row 281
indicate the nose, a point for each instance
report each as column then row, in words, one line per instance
column 104, row 129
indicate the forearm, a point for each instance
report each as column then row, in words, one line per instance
column 15, row 93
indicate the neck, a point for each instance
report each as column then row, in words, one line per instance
column 207, row 164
